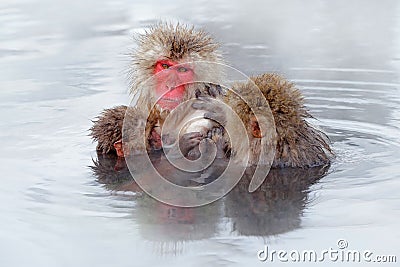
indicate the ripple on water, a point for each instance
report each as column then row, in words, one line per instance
column 356, row 107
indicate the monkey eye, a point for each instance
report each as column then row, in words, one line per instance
column 165, row 66
column 182, row 69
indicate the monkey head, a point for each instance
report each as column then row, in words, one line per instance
column 170, row 54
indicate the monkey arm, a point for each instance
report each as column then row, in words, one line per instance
column 119, row 130
column 107, row 129
column 187, row 146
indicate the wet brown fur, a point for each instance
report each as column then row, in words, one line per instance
column 298, row 144
column 107, row 128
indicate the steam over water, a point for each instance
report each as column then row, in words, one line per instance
column 62, row 62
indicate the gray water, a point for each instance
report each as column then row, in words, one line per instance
column 61, row 63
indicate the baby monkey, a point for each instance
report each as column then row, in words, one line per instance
column 191, row 125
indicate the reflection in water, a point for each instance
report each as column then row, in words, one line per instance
column 169, row 227
column 274, row 208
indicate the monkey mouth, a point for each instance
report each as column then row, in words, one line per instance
column 169, row 103
column 169, row 100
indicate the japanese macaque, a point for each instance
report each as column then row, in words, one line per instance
column 298, row 144
column 165, row 74
column 187, row 122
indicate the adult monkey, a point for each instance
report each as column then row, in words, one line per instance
column 164, row 71
column 168, row 49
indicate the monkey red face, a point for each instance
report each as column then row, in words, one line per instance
column 171, row 79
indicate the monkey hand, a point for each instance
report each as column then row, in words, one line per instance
column 188, row 145
column 189, row 141
column 216, row 134
column 210, row 89
column 213, row 110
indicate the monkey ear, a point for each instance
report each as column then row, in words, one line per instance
column 255, row 128
column 120, row 164
column 119, row 148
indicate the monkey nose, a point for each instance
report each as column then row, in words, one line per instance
column 172, row 86
column 173, row 80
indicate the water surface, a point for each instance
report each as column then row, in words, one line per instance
column 62, row 63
